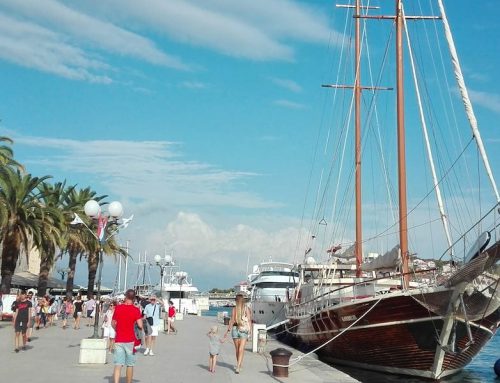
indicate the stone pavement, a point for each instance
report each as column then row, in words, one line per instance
column 52, row 357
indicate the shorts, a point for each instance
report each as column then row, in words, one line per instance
column 20, row 326
column 109, row 332
column 77, row 314
column 89, row 313
column 124, row 354
column 154, row 331
column 171, row 319
column 237, row 334
column 64, row 315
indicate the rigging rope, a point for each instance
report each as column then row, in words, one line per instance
column 300, row 357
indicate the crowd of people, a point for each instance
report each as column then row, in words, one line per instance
column 127, row 324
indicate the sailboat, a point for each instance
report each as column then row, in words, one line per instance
column 387, row 312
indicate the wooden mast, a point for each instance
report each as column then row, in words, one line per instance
column 358, row 250
column 403, row 215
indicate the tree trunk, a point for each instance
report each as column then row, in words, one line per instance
column 10, row 255
column 46, row 262
column 93, row 262
column 71, row 273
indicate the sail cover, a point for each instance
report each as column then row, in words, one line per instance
column 387, row 261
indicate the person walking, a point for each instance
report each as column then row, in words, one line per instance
column 214, row 347
column 77, row 312
column 239, row 326
column 152, row 311
column 66, row 311
column 90, row 307
column 125, row 317
column 171, row 318
column 21, row 320
column 108, row 330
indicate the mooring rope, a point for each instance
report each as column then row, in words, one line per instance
column 300, row 357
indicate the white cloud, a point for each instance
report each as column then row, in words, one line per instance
column 125, row 167
column 490, row 101
column 90, row 30
column 32, row 46
column 287, row 84
column 258, row 30
column 194, row 85
column 206, row 251
column 289, row 104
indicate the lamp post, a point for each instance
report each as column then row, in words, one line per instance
column 62, row 272
column 93, row 210
column 181, row 277
column 163, row 263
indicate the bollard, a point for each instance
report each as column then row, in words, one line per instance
column 226, row 321
column 280, row 357
column 496, row 367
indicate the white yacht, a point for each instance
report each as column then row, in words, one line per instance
column 269, row 285
column 178, row 288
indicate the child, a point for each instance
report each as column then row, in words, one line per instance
column 214, row 347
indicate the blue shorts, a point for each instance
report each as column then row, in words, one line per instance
column 237, row 334
column 124, row 354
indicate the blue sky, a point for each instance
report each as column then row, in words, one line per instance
column 200, row 117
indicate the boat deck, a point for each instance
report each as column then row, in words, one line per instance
column 180, row 358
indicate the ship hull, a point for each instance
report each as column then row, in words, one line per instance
column 394, row 334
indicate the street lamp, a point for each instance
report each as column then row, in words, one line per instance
column 181, row 277
column 93, row 211
column 63, row 271
column 163, row 263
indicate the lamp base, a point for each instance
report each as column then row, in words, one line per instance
column 93, row 351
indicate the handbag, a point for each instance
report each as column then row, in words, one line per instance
column 150, row 319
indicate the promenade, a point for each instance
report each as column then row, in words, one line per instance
column 52, row 356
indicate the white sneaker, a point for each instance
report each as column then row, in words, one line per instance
column 151, row 353
column 146, row 352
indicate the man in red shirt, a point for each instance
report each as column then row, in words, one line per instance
column 125, row 317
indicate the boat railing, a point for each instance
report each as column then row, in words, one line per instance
column 464, row 242
column 348, row 292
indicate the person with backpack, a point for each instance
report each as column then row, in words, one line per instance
column 152, row 312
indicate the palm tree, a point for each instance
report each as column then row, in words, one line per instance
column 110, row 248
column 21, row 219
column 54, row 197
column 79, row 242
column 7, row 155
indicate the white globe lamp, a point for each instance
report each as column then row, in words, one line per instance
column 168, row 258
column 157, row 259
column 92, row 208
column 115, row 209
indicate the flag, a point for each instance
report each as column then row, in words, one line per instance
column 76, row 220
column 101, row 227
column 126, row 222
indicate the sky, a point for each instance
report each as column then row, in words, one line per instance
column 201, row 118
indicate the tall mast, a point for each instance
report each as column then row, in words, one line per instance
column 403, row 223
column 358, row 250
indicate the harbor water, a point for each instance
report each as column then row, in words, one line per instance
column 480, row 370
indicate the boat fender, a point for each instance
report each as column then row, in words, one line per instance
column 496, row 367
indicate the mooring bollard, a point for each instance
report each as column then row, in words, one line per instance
column 226, row 321
column 496, row 367
column 281, row 360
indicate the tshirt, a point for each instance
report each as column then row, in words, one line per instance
column 23, row 309
column 78, row 306
column 90, row 305
column 125, row 317
column 153, row 311
column 171, row 312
